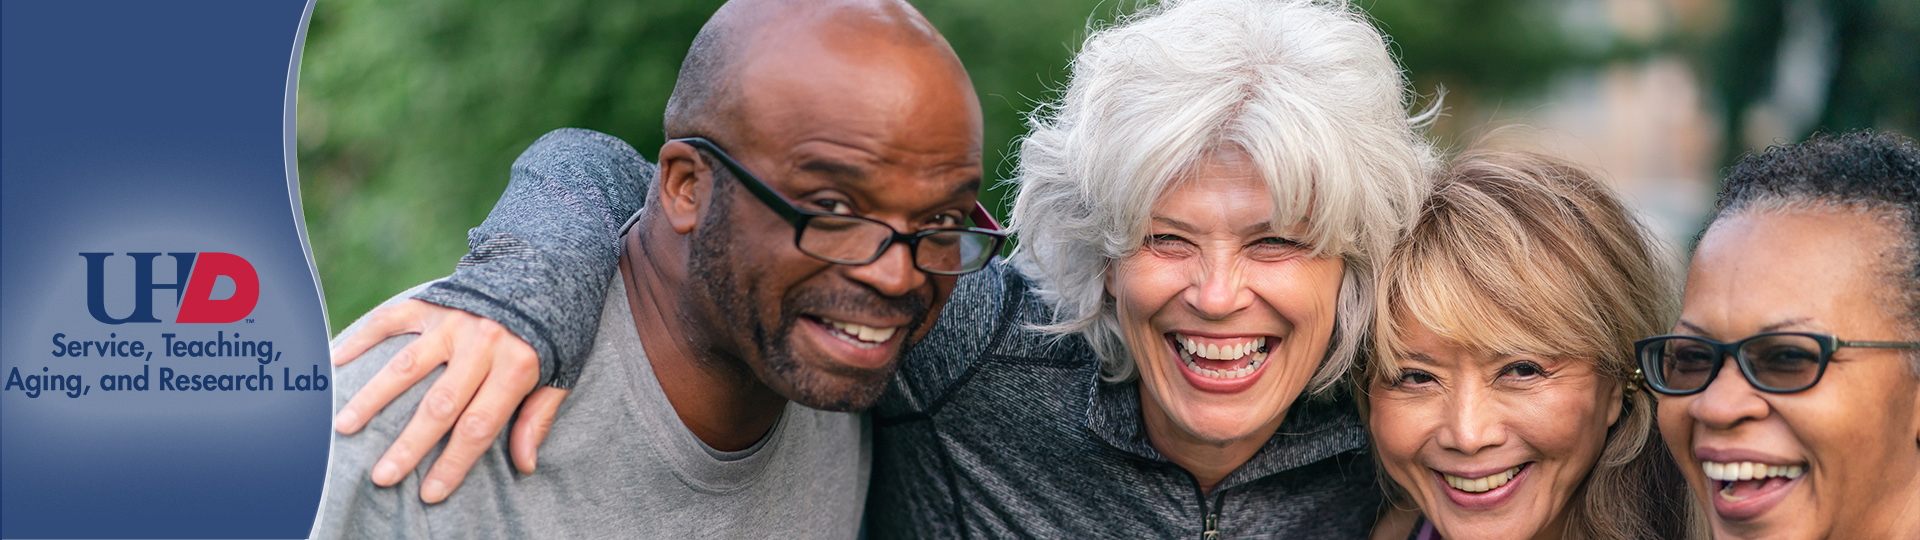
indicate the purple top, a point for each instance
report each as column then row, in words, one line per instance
column 1425, row 531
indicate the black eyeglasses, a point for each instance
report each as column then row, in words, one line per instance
column 1777, row 362
column 855, row 240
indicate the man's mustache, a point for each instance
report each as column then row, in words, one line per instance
column 913, row 307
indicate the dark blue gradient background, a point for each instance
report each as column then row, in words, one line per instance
column 152, row 126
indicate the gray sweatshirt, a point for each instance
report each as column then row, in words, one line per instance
column 618, row 464
column 989, row 429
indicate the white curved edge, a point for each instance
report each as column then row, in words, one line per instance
column 290, row 149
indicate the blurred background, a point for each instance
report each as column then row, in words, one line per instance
column 410, row 113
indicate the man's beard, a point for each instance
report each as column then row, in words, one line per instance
column 735, row 313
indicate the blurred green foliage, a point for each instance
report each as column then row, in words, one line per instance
column 1875, row 80
column 410, row 113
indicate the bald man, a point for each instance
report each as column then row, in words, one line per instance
column 748, row 308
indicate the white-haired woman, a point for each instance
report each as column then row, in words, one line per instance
column 1198, row 214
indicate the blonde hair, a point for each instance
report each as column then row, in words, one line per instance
column 1307, row 89
column 1520, row 253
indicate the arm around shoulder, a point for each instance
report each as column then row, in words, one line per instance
column 540, row 262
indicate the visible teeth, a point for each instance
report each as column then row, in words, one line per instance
column 1481, row 485
column 1194, row 349
column 1747, row 470
column 1223, row 373
column 1213, row 351
column 859, row 334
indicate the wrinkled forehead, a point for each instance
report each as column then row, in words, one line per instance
column 1222, row 185
column 1757, row 267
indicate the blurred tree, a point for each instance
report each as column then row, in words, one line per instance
column 410, row 113
column 1869, row 49
column 1480, row 52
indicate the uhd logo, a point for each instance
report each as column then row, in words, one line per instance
column 194, row 294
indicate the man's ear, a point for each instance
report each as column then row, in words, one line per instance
column 686, row 186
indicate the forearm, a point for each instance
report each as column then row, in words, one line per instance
column 540, row 262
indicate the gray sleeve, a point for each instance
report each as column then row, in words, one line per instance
column 351, row 507
column 540, row 262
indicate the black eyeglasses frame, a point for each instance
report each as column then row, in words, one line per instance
column 1656, row 380
column 985, row 225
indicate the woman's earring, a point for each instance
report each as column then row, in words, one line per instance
column 1636, row 382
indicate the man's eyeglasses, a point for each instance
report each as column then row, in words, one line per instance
column 1777, row 362
column 855, row 240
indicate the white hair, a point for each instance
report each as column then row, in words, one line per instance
column 1305, row 88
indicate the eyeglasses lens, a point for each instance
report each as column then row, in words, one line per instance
column 1783, row 362
column 845, row 240
column 851, row 240
column 953, row 251
column 1685, row 364
column 1778, row 362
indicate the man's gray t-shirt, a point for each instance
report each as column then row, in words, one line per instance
column 618, row 463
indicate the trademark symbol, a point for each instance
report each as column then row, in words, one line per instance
column 249, row 321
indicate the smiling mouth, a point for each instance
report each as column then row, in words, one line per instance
column 860, row 335
column 1214, row 360
column 1483, row 484
column 1741, row 480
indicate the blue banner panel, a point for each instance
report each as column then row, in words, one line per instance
column 161, row 334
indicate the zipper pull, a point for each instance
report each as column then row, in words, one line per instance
column 1213, row 527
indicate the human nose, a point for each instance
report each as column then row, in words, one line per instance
column 1219, row 288
column 1472, row 424
column 893, row 274
column 1729, row 400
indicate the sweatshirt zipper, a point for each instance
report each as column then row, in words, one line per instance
column 1210, row 522
column 1211, row 526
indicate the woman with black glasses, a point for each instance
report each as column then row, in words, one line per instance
column 1791, row 385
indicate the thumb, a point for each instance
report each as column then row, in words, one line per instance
column 536, row 419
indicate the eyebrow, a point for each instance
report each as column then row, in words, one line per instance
column 1696, row 329
column 1250, row 230
column 1257, row 228
column 1177, row 224
column 1796, row 321
column 972, row 185
column 858, row 174
column 836, row 169
column 848, row 173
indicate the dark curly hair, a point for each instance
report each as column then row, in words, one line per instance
column 1862, row 171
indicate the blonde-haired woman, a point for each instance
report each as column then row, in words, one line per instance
column 1502, row 400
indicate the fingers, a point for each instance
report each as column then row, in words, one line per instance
column 403, row 318
column 536, row 420
column 488, row 371
column 443, row 402
column 405, row 369
column 478, row 427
